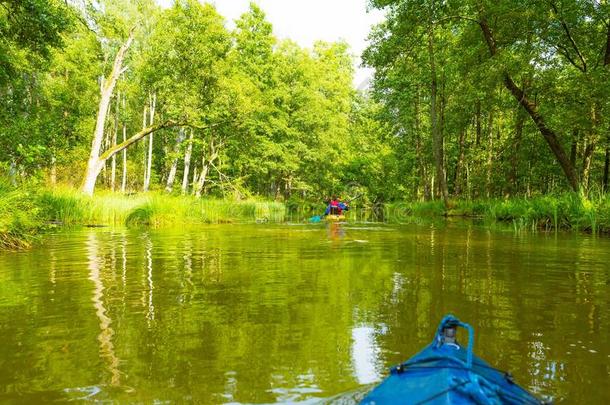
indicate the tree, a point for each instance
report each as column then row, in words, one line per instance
column 545, row 54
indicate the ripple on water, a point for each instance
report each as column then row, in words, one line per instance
column 217, row 314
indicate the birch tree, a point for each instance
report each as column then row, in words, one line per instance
column 95, row 164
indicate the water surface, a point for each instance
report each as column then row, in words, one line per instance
column 294, row 313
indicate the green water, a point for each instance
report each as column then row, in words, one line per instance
column 263, row 314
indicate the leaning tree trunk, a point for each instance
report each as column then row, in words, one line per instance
column 94, row 166
column 532, row 109
column 586, row 164
column 205, row 167
column 103, row 158
column 187, row 163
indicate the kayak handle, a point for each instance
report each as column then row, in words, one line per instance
column 446, row 331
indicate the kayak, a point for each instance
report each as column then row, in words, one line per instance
column 447, row 373
column 334, row 218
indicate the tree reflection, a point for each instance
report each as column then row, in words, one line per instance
column 106, row 331
column 263, row 314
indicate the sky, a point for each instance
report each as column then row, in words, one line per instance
column 306, row 21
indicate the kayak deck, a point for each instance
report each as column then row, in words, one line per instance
column 447, row 373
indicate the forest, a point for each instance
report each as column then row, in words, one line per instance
column 173, row 100
column 492, row 99
column 476, row 107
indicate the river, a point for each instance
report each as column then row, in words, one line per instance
column 294, row 313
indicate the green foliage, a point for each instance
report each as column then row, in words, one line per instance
column 552, row 51
column 19, row 217
column 29, row 30
column 69, row 207
column 569, row 211
column 273, row 120
column 26, row 211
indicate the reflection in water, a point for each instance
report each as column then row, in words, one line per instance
column 106, row 333
column 365, row 355
column 124, row 259
column 259, row 314
column 336, row 231
column 150, row 315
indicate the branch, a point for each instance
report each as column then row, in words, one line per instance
column 146, row 131
column 209, row 126
column 489, row 38
column 570, row 37
column 456, row 17
column 563, row 51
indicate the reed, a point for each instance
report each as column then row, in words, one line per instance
column 27, row 211
column 568, row 211
column 19, row 218
column 69, row 207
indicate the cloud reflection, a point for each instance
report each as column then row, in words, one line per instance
column 365, row 355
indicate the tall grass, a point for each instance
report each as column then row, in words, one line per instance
column 19, row 218
column 27, row 211
column 162, row 210
column 569, row 211
column 69, row 207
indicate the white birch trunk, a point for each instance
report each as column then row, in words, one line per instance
column 205, row 167
column 94, row 165
column 195, row 178
column 124, row 179
column 202, row 177
column 115, row 135
column 53, row 170
column 145, row 150
column 187, row 163
column 171, row 177
column 152, row 101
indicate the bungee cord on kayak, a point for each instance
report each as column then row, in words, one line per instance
column 447, row 373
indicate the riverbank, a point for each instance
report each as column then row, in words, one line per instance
column 25, row 213
column 568, row 212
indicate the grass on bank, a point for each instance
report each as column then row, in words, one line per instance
column 26, row 212
column 552, row 212
column 69, row 207
column 20, row 218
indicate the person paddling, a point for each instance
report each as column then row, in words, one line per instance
column 336, row 207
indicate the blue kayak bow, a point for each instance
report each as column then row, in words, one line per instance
column 447, row 373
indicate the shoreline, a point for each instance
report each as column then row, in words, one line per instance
column 26, row 215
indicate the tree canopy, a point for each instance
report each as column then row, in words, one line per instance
column 469, row 99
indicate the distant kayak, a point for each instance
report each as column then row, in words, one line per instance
column 334, row 218
column 447, row 373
